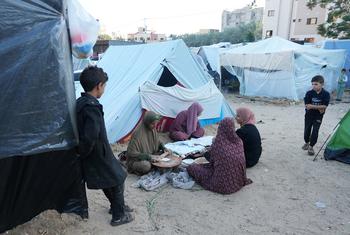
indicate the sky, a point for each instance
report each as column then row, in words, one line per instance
column 163, row 16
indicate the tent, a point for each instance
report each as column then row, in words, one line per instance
column 338, row 147
column 137, row 69
column 339, row 44
column 278, row 68
column 39, row 168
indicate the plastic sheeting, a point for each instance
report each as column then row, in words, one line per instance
column 279, row 68
column 37, row 103
column 35, row 183
column 169, row 101
column 83, row 30
column 129, row 67
column 36, row 113
column 340, row 44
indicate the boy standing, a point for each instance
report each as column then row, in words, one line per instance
column 341, row 84
column 316, row 102
column 100, row 168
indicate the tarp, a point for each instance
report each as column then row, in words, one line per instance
column 339, row 44
column 39, row 169
column 129, row 67
column 169, row 101
column 278, row 68
column 37, row 104
column 338, row 147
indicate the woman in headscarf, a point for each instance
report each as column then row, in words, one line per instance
column 186, row 124
column 144, row 142
column 249, row 135
column 226, row 172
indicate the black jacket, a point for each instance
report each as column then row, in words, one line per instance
column 101, row 169
column 251, row 142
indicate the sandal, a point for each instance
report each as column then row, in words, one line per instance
column 126, row 218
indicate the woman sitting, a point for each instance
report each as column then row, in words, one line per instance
column 226, row 172
column 249, row 135
column 144, row 141
column 186, row 124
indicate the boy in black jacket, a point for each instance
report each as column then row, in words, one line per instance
column 100, row 168
column 316, row 102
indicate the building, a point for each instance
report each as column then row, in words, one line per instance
column 206, row 31
column 145, row 36
column 245, row 15
column 292, row 20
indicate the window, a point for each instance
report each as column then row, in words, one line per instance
column 161, row 39
column 310, row 21
column 148, row 38
column 269, row 33
column 299, row 20
column 294, row 20
column 270, row 12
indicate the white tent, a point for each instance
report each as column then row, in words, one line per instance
column 134, row 72
column 276, row 67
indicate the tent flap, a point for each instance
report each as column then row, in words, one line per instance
column 169, row 101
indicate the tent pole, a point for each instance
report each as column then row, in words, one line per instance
column 326, row 140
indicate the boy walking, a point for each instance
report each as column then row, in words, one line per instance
column 316, row 102
column 101, row 169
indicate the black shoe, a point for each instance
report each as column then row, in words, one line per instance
column 126, row 209
column 126, row 218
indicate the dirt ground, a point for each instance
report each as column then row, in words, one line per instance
column 290, row 194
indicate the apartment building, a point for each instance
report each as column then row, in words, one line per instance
column 292, row 20
column 237, row 17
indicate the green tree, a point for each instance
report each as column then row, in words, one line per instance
column 104, row 37
column 244, row 33
column 338, row 20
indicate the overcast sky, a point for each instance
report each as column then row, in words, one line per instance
column 163, row 16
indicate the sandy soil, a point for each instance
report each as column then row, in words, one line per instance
column 282, row 199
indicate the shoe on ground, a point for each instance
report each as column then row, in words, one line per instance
column 305, row 146
column 311, row 151
column 126, row 218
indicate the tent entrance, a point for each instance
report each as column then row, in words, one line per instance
column 229, row 82
column 167, row 79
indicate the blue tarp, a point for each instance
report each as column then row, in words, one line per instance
column 340, row 44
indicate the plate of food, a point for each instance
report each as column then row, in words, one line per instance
column 166, row 160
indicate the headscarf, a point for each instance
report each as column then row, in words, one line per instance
column 150, row 117
column 144, row 139
column 192, row 117
column 226, row 135
column 246, row 115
